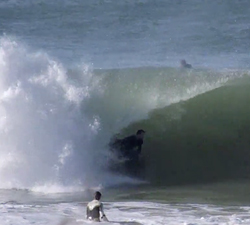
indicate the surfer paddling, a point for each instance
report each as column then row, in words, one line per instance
column 131, row 146
column 95, row 209
column 184, row 64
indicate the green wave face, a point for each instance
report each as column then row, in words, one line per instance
column 203, row 139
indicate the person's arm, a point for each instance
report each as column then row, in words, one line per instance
column 115, row 143
column 87, row 212
column 139, row 147
column 103, row 216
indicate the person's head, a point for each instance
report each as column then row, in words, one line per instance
column 140, row 134
column 98, row 195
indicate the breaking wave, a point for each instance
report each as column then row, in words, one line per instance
column 55, row 122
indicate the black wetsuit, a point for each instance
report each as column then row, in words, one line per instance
column 127, row 147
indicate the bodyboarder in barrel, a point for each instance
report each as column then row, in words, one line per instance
column 130, row 147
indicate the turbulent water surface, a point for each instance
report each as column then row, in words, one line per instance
column 74, row 73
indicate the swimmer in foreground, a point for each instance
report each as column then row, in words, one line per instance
column 95, row 209
column 184, row 64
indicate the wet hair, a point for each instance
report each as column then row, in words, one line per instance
column 98, row 195
column 140, row 132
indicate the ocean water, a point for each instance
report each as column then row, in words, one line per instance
column 74, row 73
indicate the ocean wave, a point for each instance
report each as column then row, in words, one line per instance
column 56, row 122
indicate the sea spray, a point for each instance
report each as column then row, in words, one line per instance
column 45, row 138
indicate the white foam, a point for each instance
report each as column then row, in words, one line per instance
column 131, row 213
column 45, row 137
column 48, row 142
